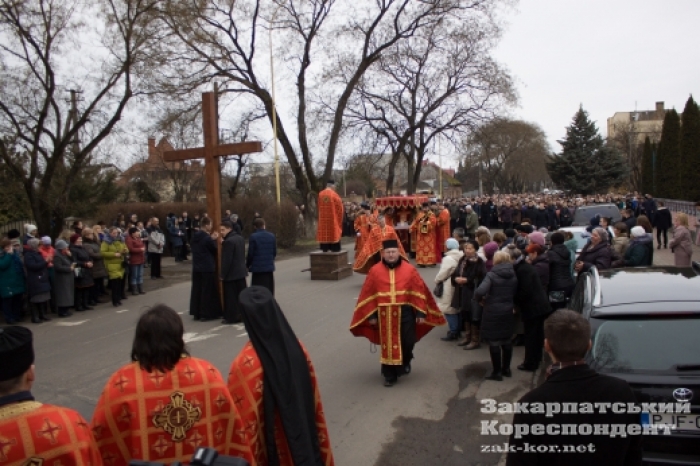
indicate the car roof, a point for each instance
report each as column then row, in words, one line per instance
column 626, row 291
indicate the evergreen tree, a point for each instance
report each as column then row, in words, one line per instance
column 586, row 164
column 647, row 167
column 690, row 152
column 668, row 157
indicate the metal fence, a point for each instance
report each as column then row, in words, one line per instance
column 16, row 225
column 676, row 206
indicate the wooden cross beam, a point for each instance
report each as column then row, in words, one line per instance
column 211, row 152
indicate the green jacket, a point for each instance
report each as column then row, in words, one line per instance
column 11, row 275
column 113, row 264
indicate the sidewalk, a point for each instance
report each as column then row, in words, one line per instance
column 664, row 257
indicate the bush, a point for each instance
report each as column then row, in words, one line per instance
column 282, row 221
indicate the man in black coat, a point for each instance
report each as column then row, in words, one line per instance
column 205, row 302
column 533, row 303
column 233, row 271
column 663, row 220
column 571, row 380
column 262, row 250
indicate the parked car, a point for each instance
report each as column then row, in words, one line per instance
column 584, row 214
column 645, row 323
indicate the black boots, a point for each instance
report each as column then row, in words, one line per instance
column 132, row 288
column 496, row 374
column 507, row 356
column 38, row 315
column 451, row 336
column 141, row 289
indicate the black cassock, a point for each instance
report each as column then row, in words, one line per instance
column 232, row 304
column 204, row 299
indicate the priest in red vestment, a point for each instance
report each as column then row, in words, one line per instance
column 425, row 228
column 443, row 223
column 363, row 226
column 395, row 310
column 165, row 404
column 371, row 251
column 273, row 385
column 330, row 219
column 32, row 433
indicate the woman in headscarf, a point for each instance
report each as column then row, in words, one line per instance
column 444, row 302
column 596, row 253
column 83, row 275
column 64, row 265
column 283, row 413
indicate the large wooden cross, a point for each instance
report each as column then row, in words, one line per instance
column 211, row 152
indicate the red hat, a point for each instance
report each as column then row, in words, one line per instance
column 74, row 237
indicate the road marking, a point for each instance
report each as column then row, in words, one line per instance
column 191, row 337
column 123, row 310
column 244, row 334
column 239, row 326
column 218, row 328
column 71, row 324
column 180, row 313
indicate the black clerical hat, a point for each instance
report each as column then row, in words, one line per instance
column 16, row 351
column 390, row 243
column 331, row 181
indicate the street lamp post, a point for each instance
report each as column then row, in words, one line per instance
column 274, row 106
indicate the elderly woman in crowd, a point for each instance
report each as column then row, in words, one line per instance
column 497, row 290
column 156, row 243
column 38, row 282
column 113, row 252
column 83, row 280
column 92, row 244
column 640, row 250
column 137, row 258
column 12, row 284
column 490, row 250
column 444, row 302
column 47, row 252
column 681, row 244
column 596, row 253
column 64, row 265
column 467, row 276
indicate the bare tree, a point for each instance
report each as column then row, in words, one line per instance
column 439, row 83
column 328, row 47
column 41, row 57
column 512, row 154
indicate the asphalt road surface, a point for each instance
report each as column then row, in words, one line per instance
column 431, row 417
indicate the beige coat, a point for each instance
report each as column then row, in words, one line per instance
column 447, row 267
column 682, row 246
column 619, row 244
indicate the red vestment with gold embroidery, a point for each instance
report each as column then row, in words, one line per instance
column 443, row 223
column 33, row 433
column 166, row 416
column 245, row 383
column 363, row 226
column 330, row 217
column 385, row 290
column 425, row 228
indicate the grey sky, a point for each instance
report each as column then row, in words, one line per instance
column 604, row 54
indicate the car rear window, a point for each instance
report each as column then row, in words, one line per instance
column 645, row 345
column 583, row 215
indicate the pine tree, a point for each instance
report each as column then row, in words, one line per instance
column 690, row 152
column 669, row 157
column 586, row 164
column 647, row 167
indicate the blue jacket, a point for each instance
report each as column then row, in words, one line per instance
column 37, row 273
column 262, row 250
column 11, row 275
column 175, row 235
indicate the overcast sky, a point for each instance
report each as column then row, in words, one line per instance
column 604, row 54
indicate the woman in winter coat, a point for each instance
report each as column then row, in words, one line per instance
column 137, row 259
column 37, row 282
column 681, row 245
column 596, row 253
column 64, row 266
column 12, row 283
column 532, row 306
column 83, row 273
column 490, row 249
column 156, row 243
column 113, row 252
column 561, row 283
column 444, row 302
column 469, row 273
column 621, row 241
column 540, row 261
column 497, row 290
column 92, row 243
column 640, row 251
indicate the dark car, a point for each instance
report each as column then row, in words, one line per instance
column 584, row 214
column 645, row 328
